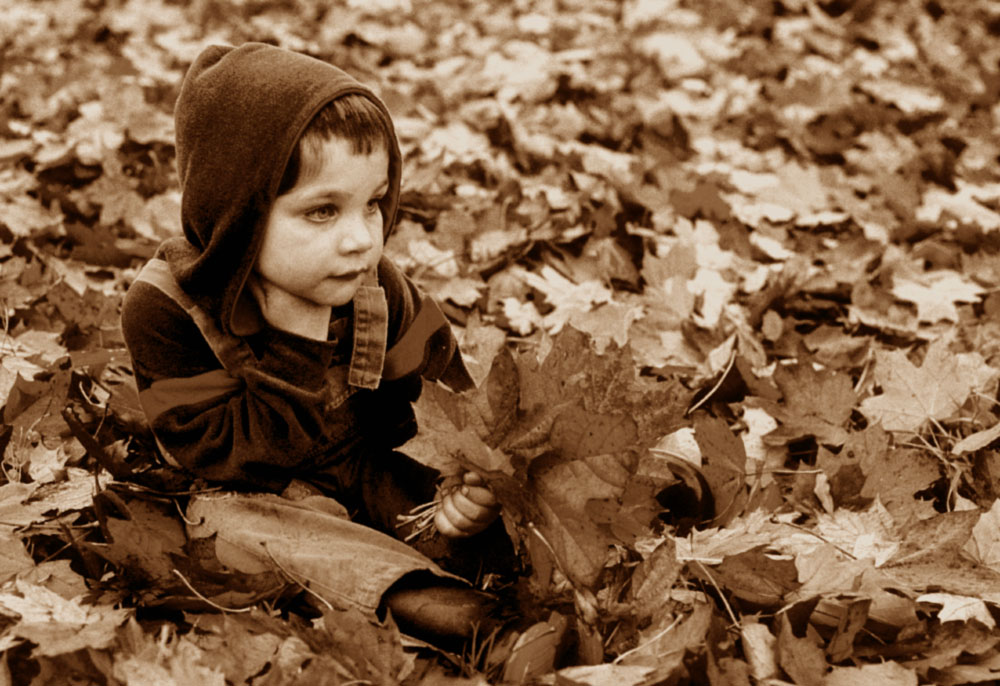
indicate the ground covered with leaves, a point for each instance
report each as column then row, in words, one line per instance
column 760, row 237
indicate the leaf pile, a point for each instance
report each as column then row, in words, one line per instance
column 758, row 237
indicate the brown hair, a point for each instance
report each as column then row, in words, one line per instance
column 352, row 117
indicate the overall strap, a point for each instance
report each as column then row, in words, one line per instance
column 371, row 330
column 231, row 351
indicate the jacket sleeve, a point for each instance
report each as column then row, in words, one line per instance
column 248, row 427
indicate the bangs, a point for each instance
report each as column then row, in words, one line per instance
column 353, row 118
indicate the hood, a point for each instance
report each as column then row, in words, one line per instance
column 238, row 118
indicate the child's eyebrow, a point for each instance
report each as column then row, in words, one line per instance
column 338, row 194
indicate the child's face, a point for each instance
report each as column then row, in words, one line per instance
column 325, row 234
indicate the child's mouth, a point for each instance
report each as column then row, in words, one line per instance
column 347, row 276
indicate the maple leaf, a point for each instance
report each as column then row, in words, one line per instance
column 955, row 608
column 154, row 218
column 725, row 466
column 801, row 658
column 816, row 403
column 936, row 293
column 142, row 544
column 962, row 204
column 984, row 544
column 57, row 625
column 550, row 437
column 866, row 535
column 25, row 216
column 239, row 645
column 567, row 298
column 895, row 477
column 166, row 659
column 14, row 558
column 914, row 395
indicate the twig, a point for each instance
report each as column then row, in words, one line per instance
column 119, row 470
column 864, row 372
column 139, row 488
column 421, row 516
column 183, row 517
column 19, row 527
column 813, row 533
column 658, row 635
column 722, row 595
column 552, row 551
column 718, row 384
column 206, row 600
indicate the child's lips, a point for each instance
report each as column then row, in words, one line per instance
column 348, row 275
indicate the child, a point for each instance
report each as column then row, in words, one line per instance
column 273, row 344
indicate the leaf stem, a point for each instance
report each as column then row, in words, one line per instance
column 718, row 384
column 654, row 638
column 722, row 596
column 207, row 600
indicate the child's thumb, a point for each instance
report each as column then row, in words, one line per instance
column 473, row 479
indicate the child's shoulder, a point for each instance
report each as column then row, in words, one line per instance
column 147, row 308
column 159, row 332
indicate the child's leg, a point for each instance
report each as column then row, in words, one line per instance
column 423, row 605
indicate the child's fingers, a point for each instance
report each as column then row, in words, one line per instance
column 444, row 525
column 471, row 509
column 479, row 495
column 452, row 522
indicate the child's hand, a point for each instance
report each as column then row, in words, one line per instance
column 467, row 509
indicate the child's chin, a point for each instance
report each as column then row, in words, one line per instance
column 334, row 297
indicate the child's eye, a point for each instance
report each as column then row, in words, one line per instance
column 322, row 213
column 373, row 205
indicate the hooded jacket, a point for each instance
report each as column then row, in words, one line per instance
column 228, row 397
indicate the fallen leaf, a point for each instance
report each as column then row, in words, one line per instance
column 816, row 403
column 14, row 558
column 166, row 659
column 955, row 608
column 984, row 543
column 567, row 298
column 936, row 293
column 884, row 674
column 852, row 620
column 760, row 647
column 976, row 441
column 866, row 535
column 914, row 395
column 800, row 658
column 607, row 674
column 57, row 625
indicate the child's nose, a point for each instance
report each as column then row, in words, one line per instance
column 356, row 237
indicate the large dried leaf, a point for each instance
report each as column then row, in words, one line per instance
column 912, row 396
column 551, row 437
